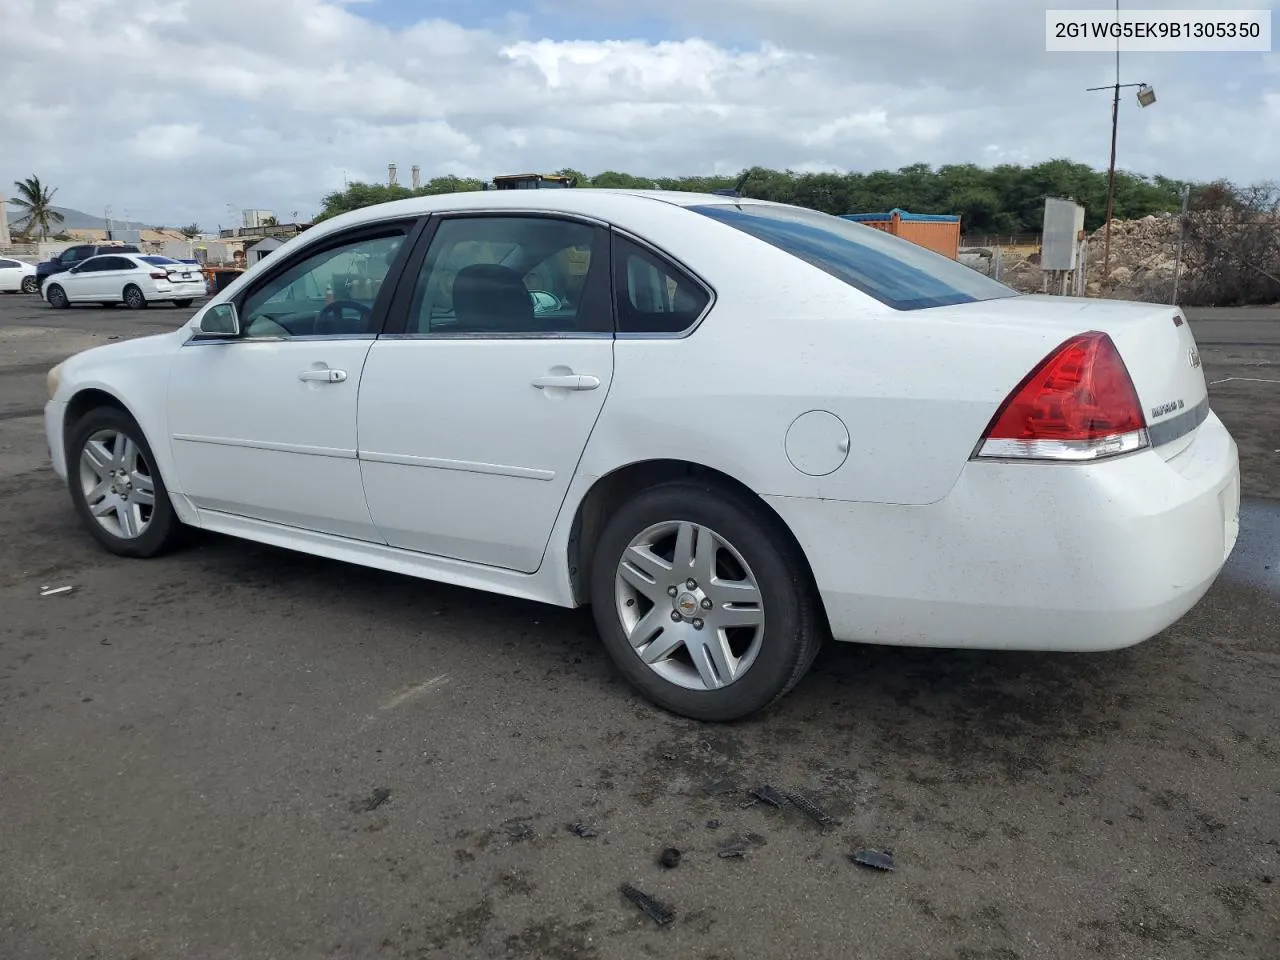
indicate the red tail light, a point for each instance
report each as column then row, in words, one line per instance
column 1079, row 403
column 159, row 275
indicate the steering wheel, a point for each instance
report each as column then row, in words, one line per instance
column 329, row 319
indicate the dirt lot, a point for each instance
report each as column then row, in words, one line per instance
column 189, row 747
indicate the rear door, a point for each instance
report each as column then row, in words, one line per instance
column 474, row 413
column 114, row 274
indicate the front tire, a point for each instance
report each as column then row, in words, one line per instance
column 57, row 298
column 133, row 298
column 704, row 601
column 116, row 486
column 30, row 285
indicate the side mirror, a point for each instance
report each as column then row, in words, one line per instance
column 219, row 321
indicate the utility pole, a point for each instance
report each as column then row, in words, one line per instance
column 1182, row 227
column 1146, row 97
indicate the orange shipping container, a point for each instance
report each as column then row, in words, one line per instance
column 937, row 232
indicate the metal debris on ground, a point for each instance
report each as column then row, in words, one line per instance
column 583, row 830
column 54, row 591
column 377, row 798
column 731, row 850
column 658, row 912
column 669, row 858
column 769, row 795
column 517, row 830
column 811, row 810
column 713, row 824
column 874, row 859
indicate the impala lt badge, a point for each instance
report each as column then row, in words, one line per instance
column 1193, row 357
column 1166, row 408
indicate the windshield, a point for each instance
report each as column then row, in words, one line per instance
column 897, row 272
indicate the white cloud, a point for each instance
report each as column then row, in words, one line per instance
column 175, row 108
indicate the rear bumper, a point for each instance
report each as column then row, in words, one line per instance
column 187, row 290
column 1068, row 557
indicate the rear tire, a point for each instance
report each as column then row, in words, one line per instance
column 116, row 486
column 57, row 298
column 133, row 298
column 691, row 653
column 30, row 285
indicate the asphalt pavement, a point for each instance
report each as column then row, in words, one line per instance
column 238, row 752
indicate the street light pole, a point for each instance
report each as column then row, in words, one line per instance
column 1111, row 177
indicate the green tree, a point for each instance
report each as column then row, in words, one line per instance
column 1006, row 199
column 190, row 231
column 35, row 200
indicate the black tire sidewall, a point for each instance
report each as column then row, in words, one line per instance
column 142, row 301
column 29, row 285
column 164, row 521
column 791, row 635
column 61, row 302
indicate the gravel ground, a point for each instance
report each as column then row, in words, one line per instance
column 195, row 750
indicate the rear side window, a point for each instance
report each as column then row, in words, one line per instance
column 652, row 294
column 7, row 264
column 897, row 272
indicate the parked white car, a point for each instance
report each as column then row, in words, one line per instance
column 134, row 279
column 734, row 428
column 17, row 276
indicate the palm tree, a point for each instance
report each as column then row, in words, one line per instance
column 35, row 200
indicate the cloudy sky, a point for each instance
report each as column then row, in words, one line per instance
column 176, row 110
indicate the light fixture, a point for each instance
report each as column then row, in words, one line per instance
column 1146, row 96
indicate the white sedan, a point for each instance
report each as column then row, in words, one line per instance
column 134, row 279
column 18, row 276
column 734, row 428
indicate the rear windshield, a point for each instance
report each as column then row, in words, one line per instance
column 897, row 272
column 158, row 261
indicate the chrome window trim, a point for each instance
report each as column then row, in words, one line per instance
column 196, row 340
column 496, row 335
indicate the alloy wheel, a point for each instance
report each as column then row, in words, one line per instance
column 117, row 483
column 689, row 605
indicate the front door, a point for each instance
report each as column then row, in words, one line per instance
column 474, row 415
column 263, row 426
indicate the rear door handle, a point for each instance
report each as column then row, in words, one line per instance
column 324, row 376
column 575, row 381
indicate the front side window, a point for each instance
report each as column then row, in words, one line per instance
column 328, row 293
column 897, row 272
column 513, row 275
column 653, row 295
column 92, row 265
column 116, row 263
column 73, row 254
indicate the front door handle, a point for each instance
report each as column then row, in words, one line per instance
column 324, row 376
column 574, row 381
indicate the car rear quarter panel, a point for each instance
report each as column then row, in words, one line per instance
column 914, row 389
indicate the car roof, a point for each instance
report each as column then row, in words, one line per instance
column 606, row 204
